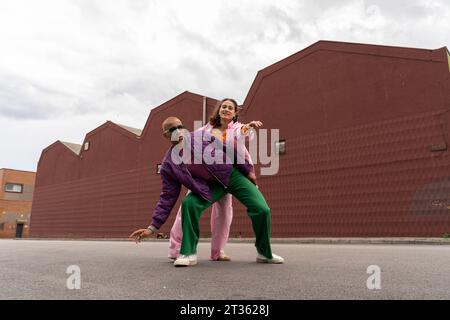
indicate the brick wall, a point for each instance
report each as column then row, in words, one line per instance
column 15, row 208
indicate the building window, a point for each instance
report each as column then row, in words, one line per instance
column 2, row 226
column 86, row 146
column 158, row 168
column 14, row 187
column 280, row 147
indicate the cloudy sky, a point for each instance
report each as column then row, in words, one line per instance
column 67, row 66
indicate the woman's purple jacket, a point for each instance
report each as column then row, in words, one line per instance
column 174, row 175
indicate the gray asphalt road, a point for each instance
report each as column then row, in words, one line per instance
column 123, row 270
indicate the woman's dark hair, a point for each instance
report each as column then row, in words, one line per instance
column 215, row 118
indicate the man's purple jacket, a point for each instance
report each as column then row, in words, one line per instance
column 174, row 175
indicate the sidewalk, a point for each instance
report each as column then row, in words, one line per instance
column 405, row 240
column 435, row 241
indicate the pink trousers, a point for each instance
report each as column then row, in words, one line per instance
column 221, row 217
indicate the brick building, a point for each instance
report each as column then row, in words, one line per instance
column 16, row 196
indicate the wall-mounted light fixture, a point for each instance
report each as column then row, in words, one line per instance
column 280, row 147
column 438, row 147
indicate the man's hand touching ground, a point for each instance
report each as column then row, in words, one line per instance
column 139, row 234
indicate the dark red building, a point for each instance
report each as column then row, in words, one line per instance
column 366, row 131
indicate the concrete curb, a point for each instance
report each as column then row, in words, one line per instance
column 393, row 241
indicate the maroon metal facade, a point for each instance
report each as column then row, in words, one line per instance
column 366, row 130
column 112, row 188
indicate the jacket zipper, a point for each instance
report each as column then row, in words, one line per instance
column 212, row 175
column 184, row 166
column 215, row 176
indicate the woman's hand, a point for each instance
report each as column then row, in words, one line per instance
column 139, row 234
column 252, row 177
column 255, row 124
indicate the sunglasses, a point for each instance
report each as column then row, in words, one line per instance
column 171, row 130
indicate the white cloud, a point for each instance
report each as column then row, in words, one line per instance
column 67, row 66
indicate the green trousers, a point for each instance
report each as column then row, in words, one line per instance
column 247, row 193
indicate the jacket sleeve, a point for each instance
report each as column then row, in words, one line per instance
column 237, row 127
column 242, row 159
column 245, row 168
column 170, row 191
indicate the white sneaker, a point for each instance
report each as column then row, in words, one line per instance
column 184, row 261
column 275, row 259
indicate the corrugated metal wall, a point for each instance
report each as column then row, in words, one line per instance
column 111, row 189
column 359, row 121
